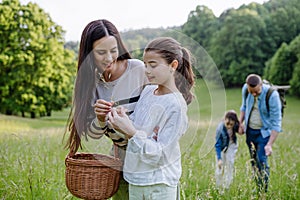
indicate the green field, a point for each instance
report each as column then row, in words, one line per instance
column 32, row 154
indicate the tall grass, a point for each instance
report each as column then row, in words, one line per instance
column 32, row 155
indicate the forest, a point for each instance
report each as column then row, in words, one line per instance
column 38, row 66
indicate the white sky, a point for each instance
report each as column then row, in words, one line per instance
column 73, row 15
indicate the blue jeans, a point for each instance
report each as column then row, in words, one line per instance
column 256, row 144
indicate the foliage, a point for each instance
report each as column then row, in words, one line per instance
column 238, row 49
column 201, row 25
column 36, row 71
column 136, row 40
column 73, row 46
column 283, row 67
column 279, row 69
column 295, row 80
column 241, row 40
column 283, row 20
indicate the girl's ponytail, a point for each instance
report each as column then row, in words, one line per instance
column 184, row 78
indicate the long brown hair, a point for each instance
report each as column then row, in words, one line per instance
column 82, row 111
column 170, row 50
column 231, row 115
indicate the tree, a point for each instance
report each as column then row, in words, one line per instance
column 36, row 71
column 240, row 46
column 283, row 20
column 295, row 80
column 72, row 45
column 201, row 25
column 279, row 69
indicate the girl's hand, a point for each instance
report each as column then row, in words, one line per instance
column 118, row 119
column 102, row 108
column 220, row 163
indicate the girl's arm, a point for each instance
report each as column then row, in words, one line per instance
column 218, row 144
column 152, row 150
column 119, row 120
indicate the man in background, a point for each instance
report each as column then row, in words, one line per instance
column 262, row 125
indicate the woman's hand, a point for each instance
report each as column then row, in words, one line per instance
column 119, row 120
column 102, row 108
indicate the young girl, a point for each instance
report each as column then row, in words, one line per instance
column 152, row 163
column 226, row 147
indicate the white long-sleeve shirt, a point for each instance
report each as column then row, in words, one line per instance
column 154, row 157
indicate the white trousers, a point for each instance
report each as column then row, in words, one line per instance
column 152, row 192
column 224, row 175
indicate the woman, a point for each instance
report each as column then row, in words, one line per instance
column 106, row 75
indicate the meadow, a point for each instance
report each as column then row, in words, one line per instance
column 32, row 153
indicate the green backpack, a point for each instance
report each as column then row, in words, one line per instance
column 281, row 89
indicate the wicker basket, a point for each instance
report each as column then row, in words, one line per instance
column 92, row 176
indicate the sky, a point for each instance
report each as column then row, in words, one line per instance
column 74, row 15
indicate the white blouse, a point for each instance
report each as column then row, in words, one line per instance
column 153, row 154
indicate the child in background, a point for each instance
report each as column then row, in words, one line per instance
column 226, row 147
column 153, row 160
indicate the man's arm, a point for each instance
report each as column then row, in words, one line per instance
column 268, row 147
column 241, row 127
column 275, row 120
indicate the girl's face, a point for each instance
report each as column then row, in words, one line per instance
column 158, row 70
column 105, row 51
column 229, row 124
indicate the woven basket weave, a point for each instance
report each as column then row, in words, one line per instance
column 92, row 176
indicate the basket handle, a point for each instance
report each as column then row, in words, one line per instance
column 69, row 155
column 116, row 154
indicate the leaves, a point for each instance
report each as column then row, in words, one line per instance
column 36, row 71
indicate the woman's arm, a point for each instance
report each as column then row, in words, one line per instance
column 98, row 127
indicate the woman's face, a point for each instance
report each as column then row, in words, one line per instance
column 158, row 70
column 105, row 51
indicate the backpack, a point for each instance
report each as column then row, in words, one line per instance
column 281, row 89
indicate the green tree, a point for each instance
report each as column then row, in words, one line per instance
column 279, row 69
column 241, row 46
column 283, row 20
column 201, row 25
column 295, row 80
column 36, row 71
column 72, row 45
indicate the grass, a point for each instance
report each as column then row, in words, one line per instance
column 32, row 155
